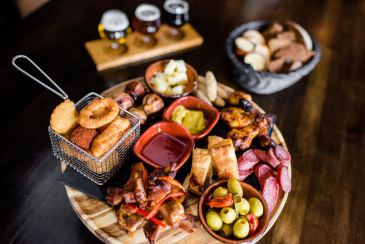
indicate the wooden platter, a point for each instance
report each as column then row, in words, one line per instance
column 101, row 220
column 104, row 58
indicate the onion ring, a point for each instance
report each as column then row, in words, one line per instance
column 99, row 112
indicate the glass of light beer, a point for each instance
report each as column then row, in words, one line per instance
column 147, row 21
column 176, row 14
column 114, row 28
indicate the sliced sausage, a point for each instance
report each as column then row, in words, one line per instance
column 247, row 160
column 284, row 178
column 271, row 158
column 243, row 174
column 270, row 192
column 283, row 155
column 260, row 154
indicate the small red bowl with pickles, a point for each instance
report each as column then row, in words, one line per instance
column 163, row 144
column 222, row 223
column 211, row 114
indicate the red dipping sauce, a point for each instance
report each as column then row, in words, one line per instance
column 164, row 149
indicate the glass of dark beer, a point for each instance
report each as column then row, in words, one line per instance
column 114, row 28
column 147, row 21
column 176, row 14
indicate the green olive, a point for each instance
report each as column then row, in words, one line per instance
column 226, row 230
column 242, row 205
column 220, row 192
column 234, row 187
column 228, row 215
column 213, row 220
column 241, row 228
column 256, row 207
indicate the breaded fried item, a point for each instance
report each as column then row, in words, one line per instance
column 64, row 117
column 212, row 140
column 107, row 139
column 201, row 170
column 224, row 159
column 83, row 137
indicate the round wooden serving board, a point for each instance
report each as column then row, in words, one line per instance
column 101, row 220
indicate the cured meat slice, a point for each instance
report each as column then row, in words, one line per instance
column 284, row 178
column 262, row 170
column 243, row 174
column 247, row 160
column 260, row 154
column 270, row 191
column 271, row 158
column 282, row 155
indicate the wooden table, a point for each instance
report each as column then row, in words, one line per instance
column 322, row 117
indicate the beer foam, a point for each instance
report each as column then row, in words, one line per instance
column 147, row 12
column 170, row 6
column 114, row 20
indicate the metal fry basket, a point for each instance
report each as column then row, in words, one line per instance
column 99, row 170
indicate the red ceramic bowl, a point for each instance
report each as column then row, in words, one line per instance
column 211, row 114
column 172, row 129
column 248, row 191
column 159, row 66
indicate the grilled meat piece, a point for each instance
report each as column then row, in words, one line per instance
column 129, row 219
column 116, row 196
column 242, row 138
column 173, row 212
column 190, row 223
column 237, row 117
column 151, row 231
column 158, row 189
column 235, row 97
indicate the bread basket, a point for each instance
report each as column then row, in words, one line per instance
column 263, row 82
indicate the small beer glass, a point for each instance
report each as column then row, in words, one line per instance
column 176, row 14
column 114, row 28
column 146, row 22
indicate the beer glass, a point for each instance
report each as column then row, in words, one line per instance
column 114, row 28
column 147, row 22
column 176, row 14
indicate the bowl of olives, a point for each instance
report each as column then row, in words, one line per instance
column 233, row 212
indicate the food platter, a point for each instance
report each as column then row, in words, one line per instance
column 102, row 221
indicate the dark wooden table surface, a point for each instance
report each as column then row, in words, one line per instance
column 322, row 117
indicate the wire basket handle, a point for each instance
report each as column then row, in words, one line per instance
column 59, row 93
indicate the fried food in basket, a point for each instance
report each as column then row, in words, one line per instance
column 110, row 136
column 64, row 117
column 99, row 112
column 83, row 137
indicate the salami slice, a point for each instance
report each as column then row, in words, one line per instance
column 260, row 154
column 270, row 192
column 262, row 170
column 243, row 174
column 284, row 178
column 271, row 158
column 247, row 160
column 282, row 155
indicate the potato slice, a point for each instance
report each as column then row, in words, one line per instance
column 177, row 79
column 178, row 89
column 211, row 83
column 200, row 94
column 254, row 36
column 180, row 66
column 256, row 60
column 219, row 102
column 170, row 67
column 244, row 45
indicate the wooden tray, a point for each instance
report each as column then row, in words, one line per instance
column 101, row 220
column 104, row 58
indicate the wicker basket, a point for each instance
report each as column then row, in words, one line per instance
column 262, row 82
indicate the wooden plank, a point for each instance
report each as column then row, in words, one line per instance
column 101, row 220
column 105, row 58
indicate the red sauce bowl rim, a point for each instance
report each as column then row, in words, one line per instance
column 184, row 158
